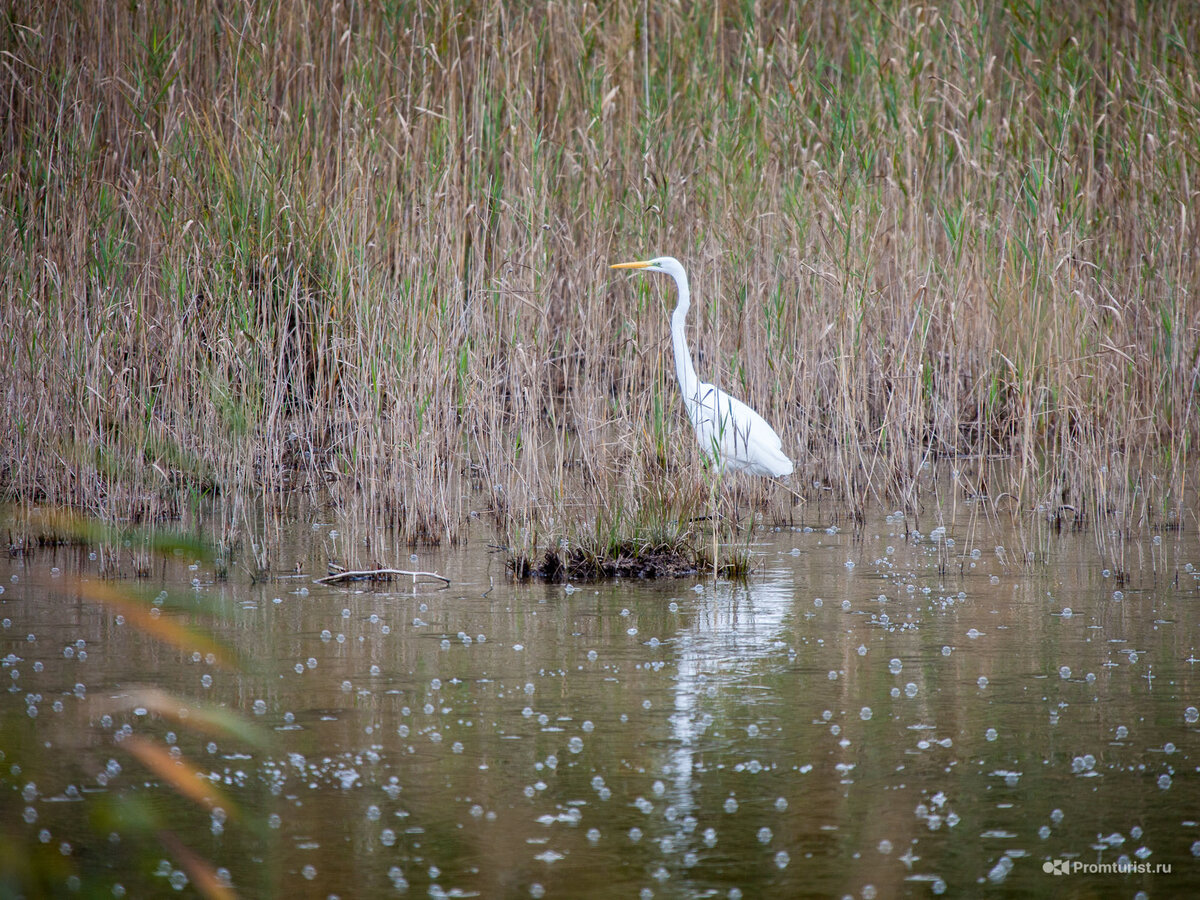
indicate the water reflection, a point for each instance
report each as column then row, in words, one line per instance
column 732, row 628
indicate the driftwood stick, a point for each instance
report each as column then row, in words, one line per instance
column 378, row 575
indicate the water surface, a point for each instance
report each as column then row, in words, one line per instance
column 876, row 712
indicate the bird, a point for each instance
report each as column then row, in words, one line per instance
column 732, row 436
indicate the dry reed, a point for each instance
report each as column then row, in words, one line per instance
column 360, row 251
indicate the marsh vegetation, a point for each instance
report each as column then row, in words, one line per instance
column 359, row 252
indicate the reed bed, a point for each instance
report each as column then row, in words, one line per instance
column 359, row 251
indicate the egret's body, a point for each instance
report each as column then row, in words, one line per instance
column 732, row 435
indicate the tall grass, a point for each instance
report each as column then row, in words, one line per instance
column 360, row 250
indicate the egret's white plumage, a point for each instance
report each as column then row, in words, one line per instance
column 732, row 435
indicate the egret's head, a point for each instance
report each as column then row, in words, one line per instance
column 667, row 264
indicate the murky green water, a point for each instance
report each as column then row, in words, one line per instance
column 872, row 714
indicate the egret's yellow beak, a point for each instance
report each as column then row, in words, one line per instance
column 632, row 265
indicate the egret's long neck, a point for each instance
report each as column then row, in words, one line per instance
column 684, row 370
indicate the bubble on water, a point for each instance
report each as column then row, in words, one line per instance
column 587, row 726
column 396, row 876
column 782, row 859
column 1064, row 672
column 982, row 681
column 635, row 834
column 865, row 713
column 1122, row 733
column 731, row 805
column 1044, row 832
column 781, row 803
column 999, row 872
column 764, row 835
column 817, row 601
column 991, row 734
column 895, row 665
column 1196, row 848
column 1118, row 596
column 1164, row 782
column 910, row 690
column 575, row 745
column 1191, row 715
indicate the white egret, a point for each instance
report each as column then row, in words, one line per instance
column 732, row 435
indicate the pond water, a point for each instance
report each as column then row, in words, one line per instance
column 875, row 712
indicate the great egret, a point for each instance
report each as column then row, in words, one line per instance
column 732, row 435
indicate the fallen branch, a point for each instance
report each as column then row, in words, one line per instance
column 379, row 575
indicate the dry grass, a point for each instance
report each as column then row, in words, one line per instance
column 360, row 250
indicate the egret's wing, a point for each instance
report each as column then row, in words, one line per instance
column 731, row 432
column 751, row 425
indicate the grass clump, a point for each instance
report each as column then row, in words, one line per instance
column 624, row 559
column 669, row 536
column 359, row 254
